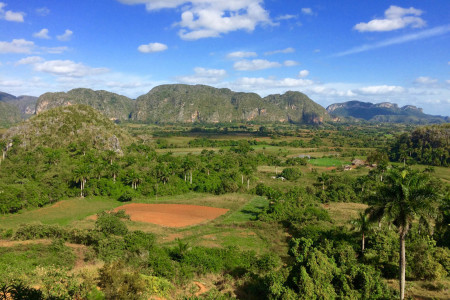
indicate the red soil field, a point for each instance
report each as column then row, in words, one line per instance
column 171, row 215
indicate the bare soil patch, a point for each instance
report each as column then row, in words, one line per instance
column 171, row 215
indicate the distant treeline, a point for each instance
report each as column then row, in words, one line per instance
column 428, row 145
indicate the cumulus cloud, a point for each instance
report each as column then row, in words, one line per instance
column 303, row 73
column 255, row 64
column 283, row 51
column 307, row 11
column 380, row 90
column 65, row 68
column 17, row 46
column 152, row 48
column 66, row 36
column 203, row 76
column 395, row 18
column 30, row 60
column 241, row 54
column 43, row 34
column 10, row 15
column 206, row 18
column 290, row 63
column 425, row 80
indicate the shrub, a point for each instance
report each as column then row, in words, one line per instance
column 111, row 248
column 39, row 231
column 157, row 286
column 127, row 196
column 118, row 283
column 138, row 241
column 110, row 223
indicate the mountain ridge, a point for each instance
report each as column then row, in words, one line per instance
column 382, row 112
column 182, row 103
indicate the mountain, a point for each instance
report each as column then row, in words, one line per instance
column 25, row 104
column 114, row 106
column 60, row 126
column 383, row 112
column 179, row 103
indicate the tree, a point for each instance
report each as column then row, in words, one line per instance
column 81, row 175
column 404, row 196
column 362, row 225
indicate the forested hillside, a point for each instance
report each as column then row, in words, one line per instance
column 114, row 106
column 204, row 104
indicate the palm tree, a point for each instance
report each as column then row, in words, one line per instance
column 404, row 196
column 362, row 225
column 81, row 175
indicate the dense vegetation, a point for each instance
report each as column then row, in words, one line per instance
column 302, row 222
column 425, row 145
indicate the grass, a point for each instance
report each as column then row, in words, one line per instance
column 249, row 212
column 23, row 259
column 342, row 212
column 62, row 213
column 221, row 232
column 425, row 290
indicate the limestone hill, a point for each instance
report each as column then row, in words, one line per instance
column 78, row 124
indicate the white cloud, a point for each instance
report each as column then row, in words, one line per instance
column 43, row 34
column 261, row 84
column 66, row 36
column 380, row 90
column 203, row 76
column 436, row 31
column 284, row 51
column 290, row 63
column 152, row 48
column 255, row 64
column 10, row 15
column 286, row 17
column 425, row 80
column 30, row 60
column 307, row 11
column 303, row 73
column 395, row 18
column 43, row 11
column 67, row 68
column 241, row 54
column 207, row 18
column 16, row 46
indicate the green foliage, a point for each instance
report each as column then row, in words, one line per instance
column 126, row 196
column 139, row 242
column 39, row 231
column 157, row 286
column 111, row 248
column 118, row 283
column 291, row 173
column 111, row 223
column 425, row 145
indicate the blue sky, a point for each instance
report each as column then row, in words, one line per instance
column 333, row 51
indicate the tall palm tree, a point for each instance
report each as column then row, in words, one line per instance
column 362, row 225
column 404, row 197
column 81, row 175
